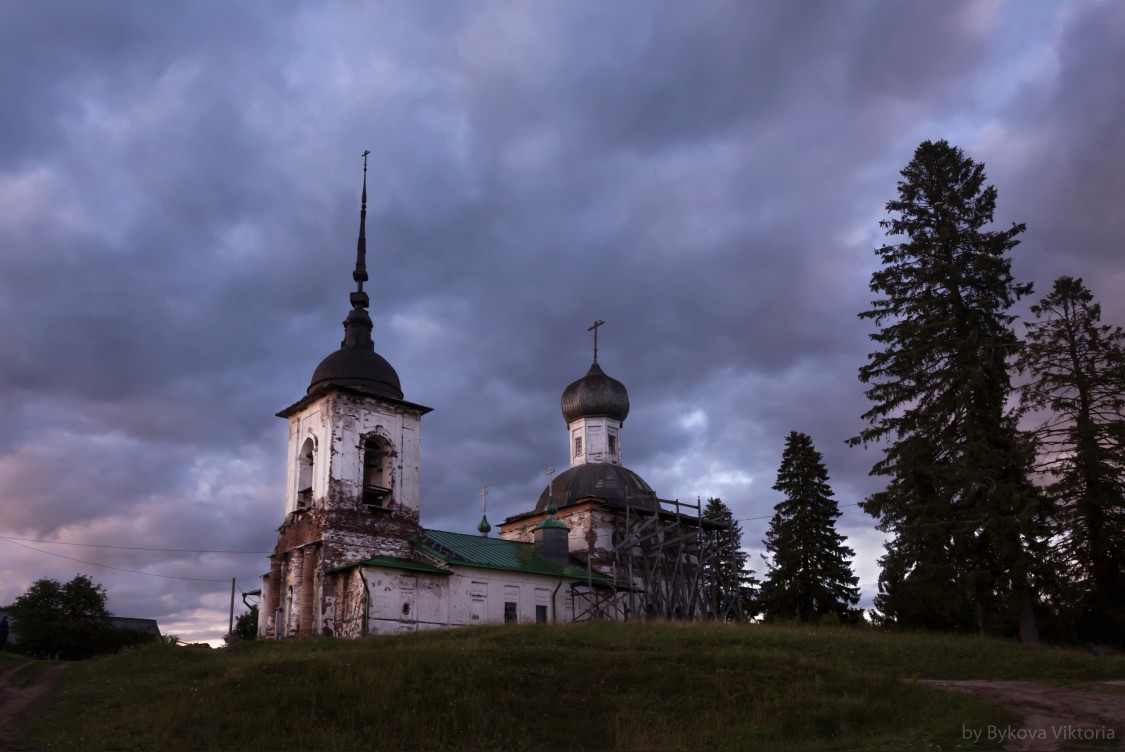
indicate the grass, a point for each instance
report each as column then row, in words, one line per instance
column 9, row 661
column 589, row 686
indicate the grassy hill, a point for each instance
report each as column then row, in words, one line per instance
column 588, row 686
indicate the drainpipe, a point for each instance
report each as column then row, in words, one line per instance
column 366, row 595
column 555, row 608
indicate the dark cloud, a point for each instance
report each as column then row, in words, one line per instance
column 179, row 204
column 1062, row 165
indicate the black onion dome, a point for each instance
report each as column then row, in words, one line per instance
column 358, row 368
column 610, row 483
column 595, row 394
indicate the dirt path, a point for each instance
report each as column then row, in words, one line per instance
column 1091, row 716
column 14, row 700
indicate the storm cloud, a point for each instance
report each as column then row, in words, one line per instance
column 179, row 196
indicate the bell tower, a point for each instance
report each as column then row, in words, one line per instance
column 354, row 471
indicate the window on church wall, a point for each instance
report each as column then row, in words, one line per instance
column 541, row 614
column 577, row 446
column 613, row 443
column 376, row 473
column 305, row 461
column 511, row 612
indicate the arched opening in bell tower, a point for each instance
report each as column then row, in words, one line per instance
column 377, row 472
column 305, row 460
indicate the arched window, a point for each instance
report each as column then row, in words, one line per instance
column 305, row 461
column 376, row 473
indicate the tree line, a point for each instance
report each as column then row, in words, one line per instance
column 1004, row 457
column 995, row 528
column 68, row 621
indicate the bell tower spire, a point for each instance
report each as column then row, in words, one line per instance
column 357, row 326
column 356, row 364
column 359, row 297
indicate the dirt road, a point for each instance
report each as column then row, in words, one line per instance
column 15, row 699
column 1086, row 716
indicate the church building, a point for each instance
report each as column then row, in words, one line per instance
column 352, row 558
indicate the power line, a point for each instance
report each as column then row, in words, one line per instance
column 134, row 548
column 107, row 566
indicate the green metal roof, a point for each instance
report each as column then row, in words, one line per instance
column 497, row 553
column 393, row 562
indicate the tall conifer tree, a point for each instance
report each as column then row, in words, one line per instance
column 958, row 502
column 726, row 573
column 810, row 573
column 1076, row 371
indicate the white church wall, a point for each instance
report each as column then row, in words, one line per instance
column 312, row 422
column 401, row 601
column 595, row 434
column 479, row 595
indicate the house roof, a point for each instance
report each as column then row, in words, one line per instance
column 496, row 553
column 141, row 625
column 393, row 562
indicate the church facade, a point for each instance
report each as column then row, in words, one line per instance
column 352, row 558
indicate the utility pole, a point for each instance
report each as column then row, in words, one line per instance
column 230, row 628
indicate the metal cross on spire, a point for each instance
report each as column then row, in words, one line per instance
column 484, row 499
column 594, row 329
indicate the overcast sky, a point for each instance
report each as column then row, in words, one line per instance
column 179, row 197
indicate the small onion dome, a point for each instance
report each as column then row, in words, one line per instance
column 358, row 367
column 484, row 528
column 595, row 394
column 612, row 484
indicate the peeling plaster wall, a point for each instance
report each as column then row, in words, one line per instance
column 354, row 419
column 346, row 604
column 339, row 423
column 334, row 527
column 588, row 522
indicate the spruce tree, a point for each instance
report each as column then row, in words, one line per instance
column 1076, row 371
column 810, row 573
column 728, row 583
column 958, row 502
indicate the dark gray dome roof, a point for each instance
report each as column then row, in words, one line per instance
column 595, row 394
column 604, row 481
column 359, row 367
